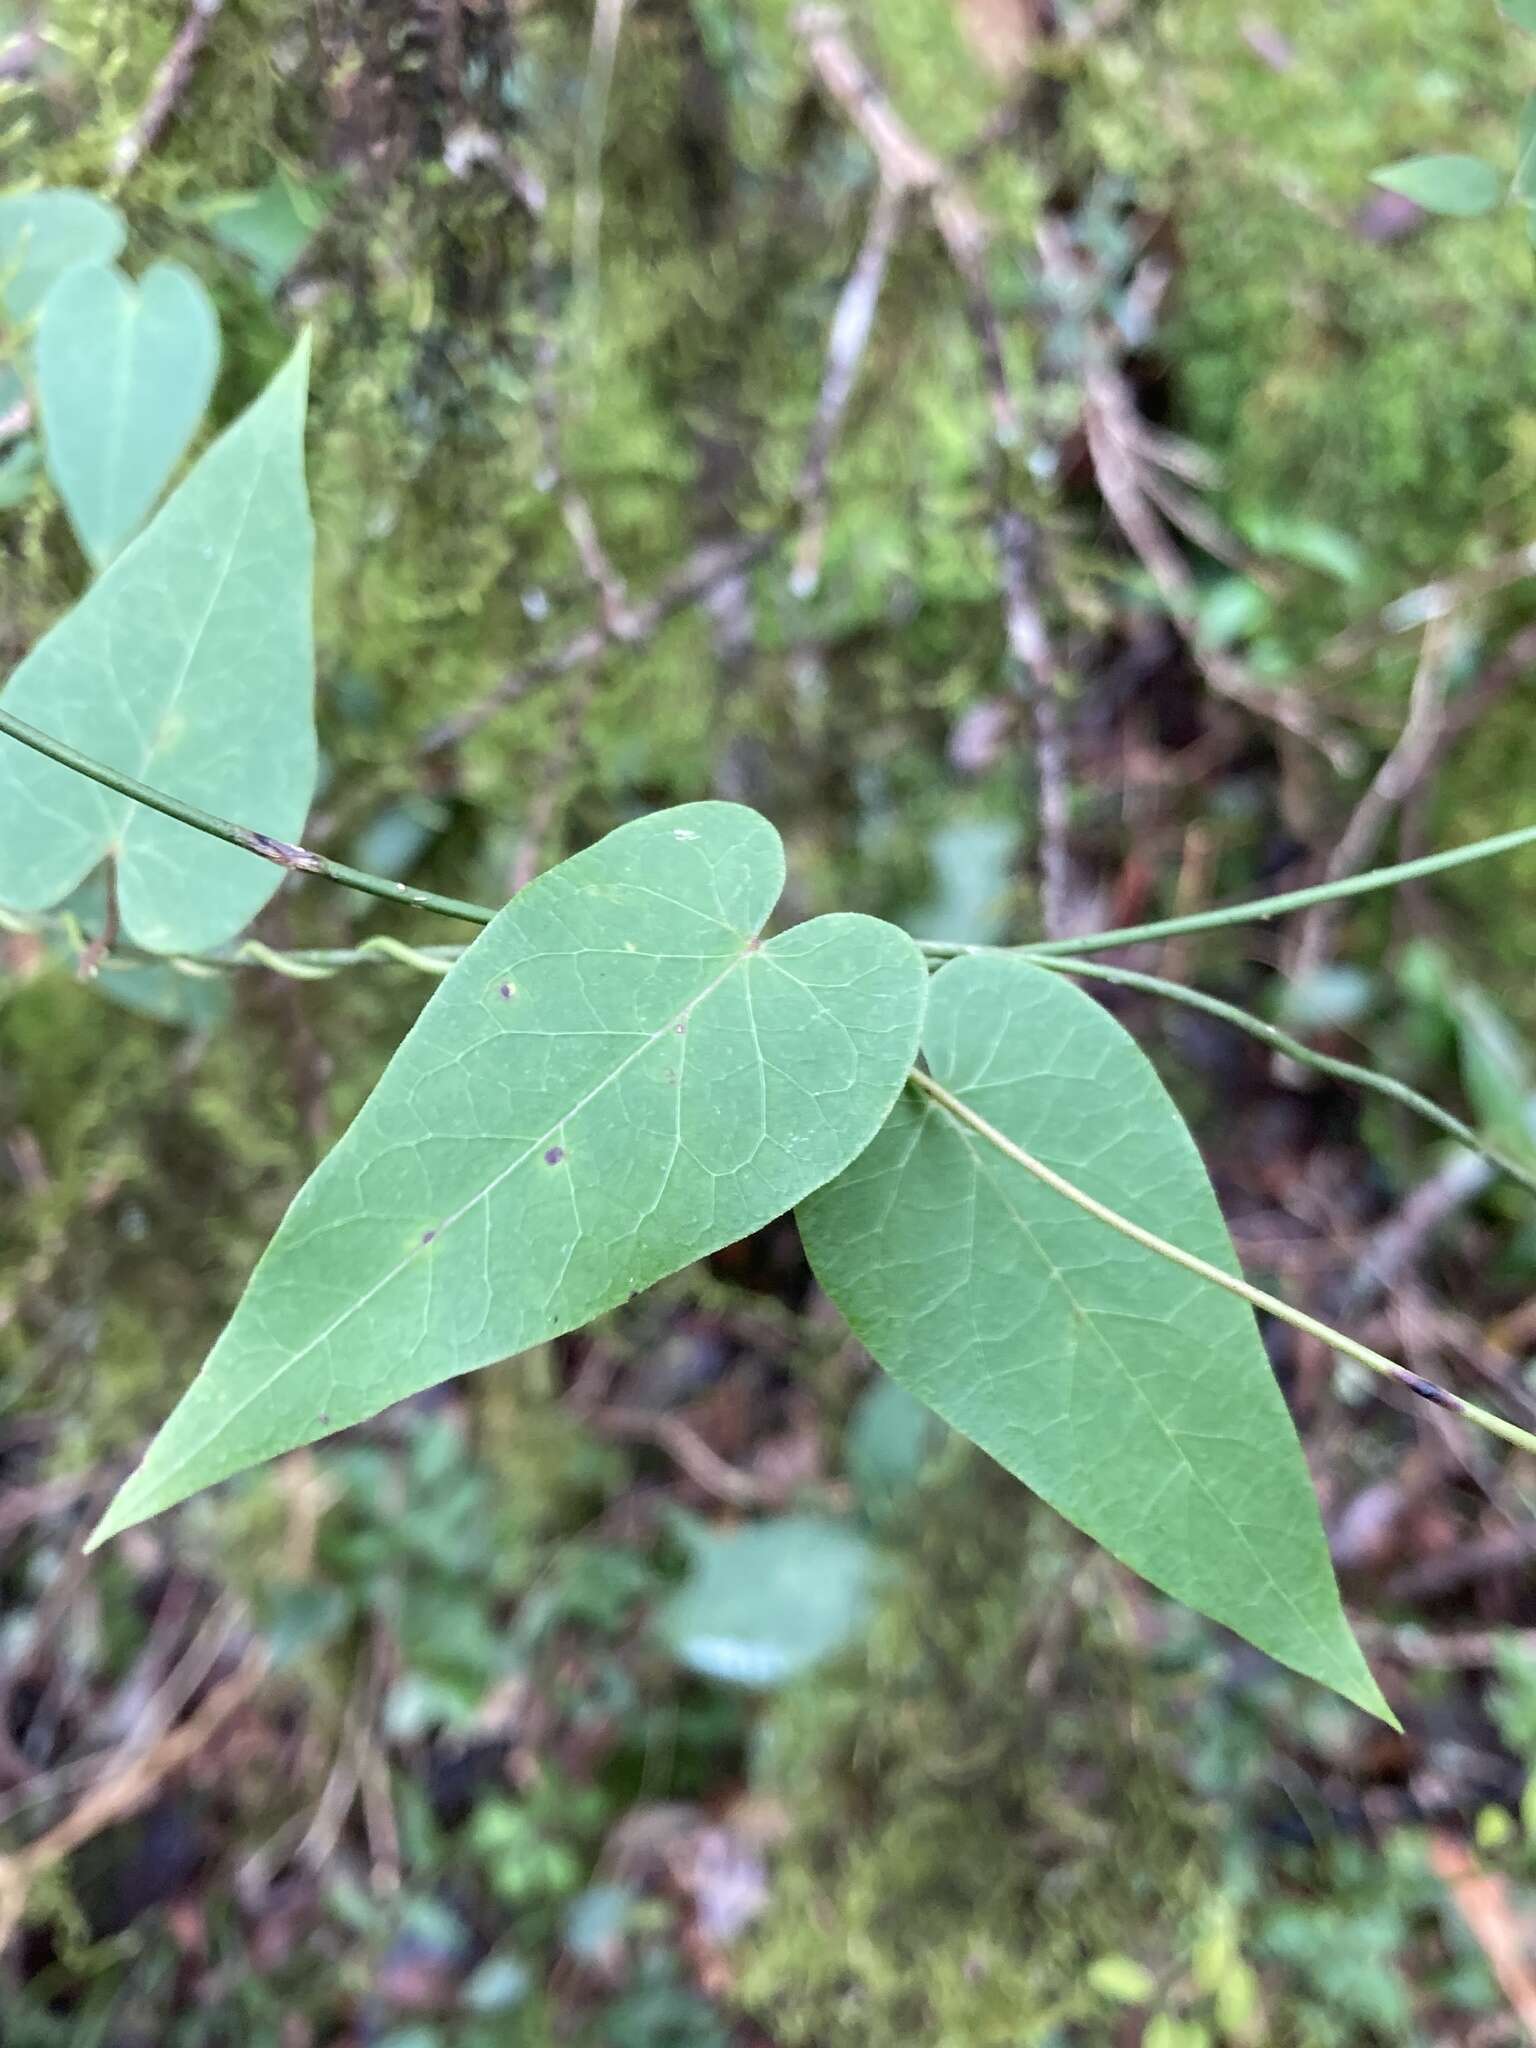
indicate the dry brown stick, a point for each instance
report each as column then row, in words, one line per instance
column 1424, row 605
column 1398, row 1242
column 705, row 1467
column 704, row 569
column 125, row 1791
column 169, row 83
column 1108, row 412
column 716, row 564
column 1413, row 756
column 1494, row 1920
column 847, row 339
column 1455, row 1650
column 905, row 166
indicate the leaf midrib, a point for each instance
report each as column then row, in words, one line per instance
column 749, row 951
column 984, row 1169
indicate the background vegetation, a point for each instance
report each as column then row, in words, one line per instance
column 413, row 1741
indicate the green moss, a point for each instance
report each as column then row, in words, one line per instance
column 965, row 1847
column 1385, row 388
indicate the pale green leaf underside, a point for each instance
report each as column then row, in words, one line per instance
column 189, row 664
column 614, row 1080
column 124, row 374
column 1133, row 1397
column 42, row 234
column 765, row 1603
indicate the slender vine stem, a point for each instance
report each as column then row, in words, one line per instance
column 1263, row 907
column 296, row 859
column 1271, row 1304
column 1294, row 1048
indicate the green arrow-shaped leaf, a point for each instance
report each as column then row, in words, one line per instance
column 124, row 374
column 42, row 234
column 617, row 1078
column 189, row 664
column 1463, row 186
column 1132, row 1396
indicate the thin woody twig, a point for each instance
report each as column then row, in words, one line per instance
column 847, row 340
column 1425, row 604
column 1109, row 422
column 125, row 1791
column 1399, row 774
column 170, row 82
column 707, row 567
column 906, row 167
column 704, row 1466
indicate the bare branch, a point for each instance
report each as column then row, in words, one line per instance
column 847, row 340
column 704, row 569
column 907, row 167
column 1414, row 755
column 170, row 82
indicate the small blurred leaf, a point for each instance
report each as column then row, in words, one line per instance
column 499, row 1984
column 271, row 228
column 1330, row 998
column 304, row 1618
column 1121, row 1978
column 1495, row 1070
column 891, row 1437
column 1521, row 12
column 596, row 1919
column 1308, row 542
column 972, row 865
column 1461, row 186
column 195, row 1002
column 1231, row 610
column 43, row 234
column 1166, row 2032
column 124, row 375
column 766, row 1603
column 394, row 840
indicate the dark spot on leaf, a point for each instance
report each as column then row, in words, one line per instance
column 326, row 1420
column 427, row 1236
column 554, row 1155
column 506, row 991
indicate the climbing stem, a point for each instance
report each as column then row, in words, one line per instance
column 1293, row 1048
column 1263, row 907
column 297, row 859
column 1255, row 1296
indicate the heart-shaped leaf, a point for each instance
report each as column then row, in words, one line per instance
column 43, row 234
column 617, row 1078
column 188, row 664
column 124, row 375
column 1133, row 1397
